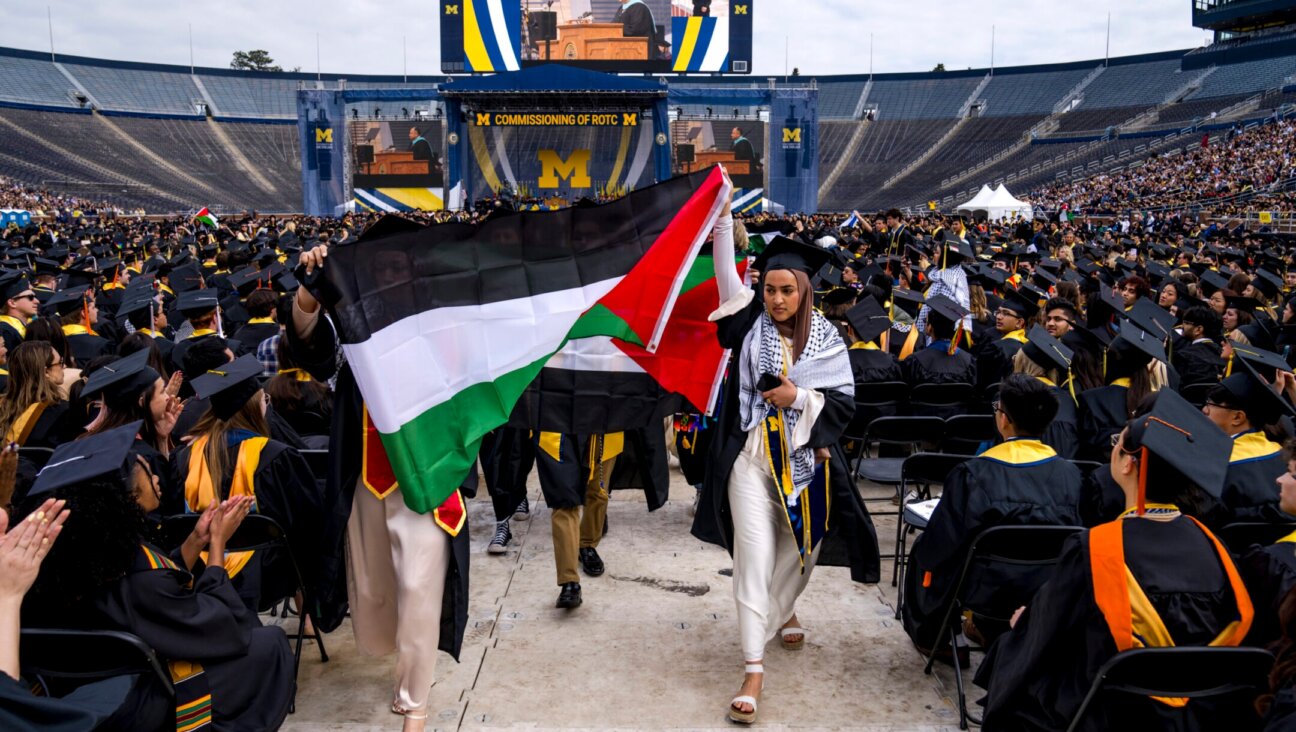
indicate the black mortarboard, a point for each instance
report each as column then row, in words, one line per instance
column 1046, row 350
column 907, row 300
column 1152, row 317
column 1253, row 395
column 1268, row 283
column 248, row 279
column 135, row 304
column 127, row 375
column 838, row 296
column 230, row 386
column 784, row 253
column 828, row 275
column 46, row 266
column 12, row 284
column 66, row 302
column 1044, row 279
column 1266, row 362
column 1024, row 305
column 1136, row 347
column 183, row 279
column 102, row 456
column 1242, row 304
column 1178, row 433
column 947, row 308
column 79, row 278
column 1211, row 281
column 955, row 252
column 868, row 319
column 195, row 303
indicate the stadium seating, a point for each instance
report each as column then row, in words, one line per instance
column 921, row 98
column 1140, row 84
column 29, row 81
column 1010, row 94
column 139, row 91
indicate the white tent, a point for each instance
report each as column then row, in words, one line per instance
column 1004, row 205
column 978, row 201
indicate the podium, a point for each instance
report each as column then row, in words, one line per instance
column 395, row 163
column 595, row 42
column 707, row 158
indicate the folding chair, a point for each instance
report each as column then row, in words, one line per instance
column 90, row 655
column 940, row 400
column 921, row 471
column 880, row 399
column 908, row 433
column 1240, row 536
column 1195, row 394
column 257, row 532
column 968, row 434
column 1232, row 677
column 1022, row 547
column 318, row 461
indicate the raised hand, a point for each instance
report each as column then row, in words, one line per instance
column 25, row 546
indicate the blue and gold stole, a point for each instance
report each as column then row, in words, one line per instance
column 807, row 513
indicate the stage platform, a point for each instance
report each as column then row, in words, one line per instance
column 655, row 646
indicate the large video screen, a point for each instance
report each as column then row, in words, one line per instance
column 653, row 36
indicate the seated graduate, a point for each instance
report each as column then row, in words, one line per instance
column 1153, row 577
column 1199, row 360
column 102, row 574
column 232, row 455
column 1104, row 411
column 300, row 400
column 994, row 361
column 1270, row 571
column 1243, row 406
column 261, row 307
column 1021, row 481
column 870, row 364
column 1043, row 357
column 942, row 361
column 78, row 314
column 145, row 314
column 32, row 413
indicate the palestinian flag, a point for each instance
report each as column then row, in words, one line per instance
column 445, row 327
column 605, row 384
column 206, row 218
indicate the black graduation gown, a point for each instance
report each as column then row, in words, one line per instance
column 1061, row 432
column 996, row 361
column 934, row 365
column 637, row 21
column 55, row 426
column 285, row 491
column 852, row 537
column 181, row 347
column 86, row 348
column 1012, row 484
column 641, row 464
column 165, row 347
column 1250, row 493
column 1038, row 673
column 1102, row 413
column 10, row 335
column 1198, row 363
column 249, row 668
column 318, row 355
column 507, row 456
column 872, row 366
column 251, row 335
column 1270, row 574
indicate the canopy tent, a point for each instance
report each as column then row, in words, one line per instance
column 996, row 204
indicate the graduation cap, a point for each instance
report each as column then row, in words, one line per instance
column 839, row 296
column 12, row 285
column 66, row 302
column 144, row 301
column 1268, row 283
column 1046, row 350
column 1136, row 347
column 1242, row 304
column 46, row 266
column 907, row 300
column 230, row 386
column 947, row 308
column 1266, row 362
column 79, row 278
column 249, row 279
column 195, row 303
column 125, row 376
column 1178, row 433
column 868, row 319
column 188, row 277
column 1018, row 302
column 1152, row 317
column 990, row 277
column 784, row 253
column 827, row 275
column 1212, row 281
column 1255, row 396
column 1044, row 279
column 102, row 456
column 955, row 252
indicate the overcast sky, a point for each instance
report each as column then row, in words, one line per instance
column 826, row 36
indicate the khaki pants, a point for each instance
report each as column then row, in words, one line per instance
column 573, row 530
column 396, row 571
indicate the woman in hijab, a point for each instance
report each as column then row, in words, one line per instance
column 775, row 460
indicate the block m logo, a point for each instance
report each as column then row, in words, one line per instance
column 324, row 135
column 630, row 119
column 483, row 119
column 740, row 10
column 791, row 134
column 574, row 170
column 452, row 10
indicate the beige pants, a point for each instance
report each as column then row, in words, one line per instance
column 396, row 571
column 767, row 576
column 574, row 530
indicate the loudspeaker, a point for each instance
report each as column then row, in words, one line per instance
column 542, row 25
column 364, row 154
column 684, row 154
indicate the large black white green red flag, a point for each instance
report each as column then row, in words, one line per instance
column 446, row 326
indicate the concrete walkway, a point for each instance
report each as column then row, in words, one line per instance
column 655, row 645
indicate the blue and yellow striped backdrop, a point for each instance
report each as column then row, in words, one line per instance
column 700, row 44
column 748, row 200
column 399, row 199
column 492, row 37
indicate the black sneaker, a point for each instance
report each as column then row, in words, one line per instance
column 569, row 596
column 591, row 562
column 503, row 535
column 523, row 511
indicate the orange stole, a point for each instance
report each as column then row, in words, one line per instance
column 377, row 475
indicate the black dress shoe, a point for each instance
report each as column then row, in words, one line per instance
column 569, row 596
column 591, row 562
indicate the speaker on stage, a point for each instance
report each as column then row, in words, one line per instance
column 542, row 25
column 684, row 154
column 364, row 154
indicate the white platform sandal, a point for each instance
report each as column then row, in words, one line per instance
column 797, row 644
column 740, row 717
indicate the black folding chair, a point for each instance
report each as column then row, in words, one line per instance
column 258, row 532
column 85, row 655
column 907, row 434
column 941, row 400
column 1021, row 547
column 965, row 434
column 318, row 461
column 920, row 472
column 872, row 401
column 1239, row 537
column 1195, row 394
column 1087, row 466
column 1231, row 677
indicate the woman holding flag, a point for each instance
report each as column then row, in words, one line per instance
column 774, row 460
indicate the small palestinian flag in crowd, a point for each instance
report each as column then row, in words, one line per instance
column 206, row 218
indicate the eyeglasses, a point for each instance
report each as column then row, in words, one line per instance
column 56, row 363
column 994, row 406
column 1115, row 439
column 28, row 296
column 1217, row 405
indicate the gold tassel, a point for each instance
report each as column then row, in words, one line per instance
column 954, row 341
column 1228, row 368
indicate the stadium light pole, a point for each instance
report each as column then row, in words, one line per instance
column 318, row 75
column 49, row 16
column 992, row 34
column 191, row 60
column 1107, row 50
column 404, row 61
